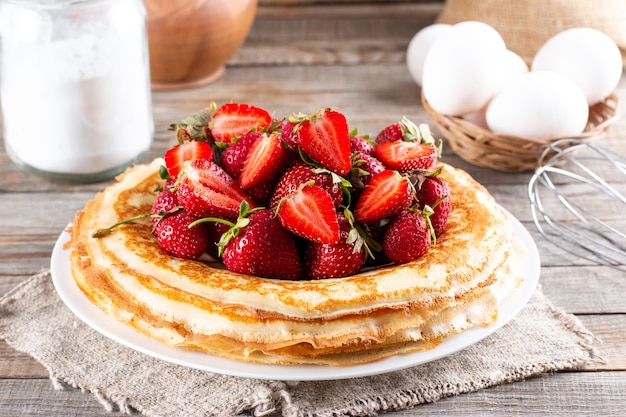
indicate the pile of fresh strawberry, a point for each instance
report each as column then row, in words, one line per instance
column 301, row 197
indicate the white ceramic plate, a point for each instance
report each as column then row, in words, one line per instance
column 95, row 318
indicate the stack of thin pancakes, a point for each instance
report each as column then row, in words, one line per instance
column 460, row 283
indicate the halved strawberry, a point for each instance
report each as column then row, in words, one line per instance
column 266, row 158
column 234, row 119
column 407, row 156
column 299, row 173
column 187, row 151
column 233, row 157
column 310, row 213
column 206, row 190
column 387, row 194
column 324, row 137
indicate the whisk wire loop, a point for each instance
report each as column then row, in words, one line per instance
column 572, row 175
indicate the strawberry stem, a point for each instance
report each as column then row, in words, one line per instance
column 359, row 236
column 426, row 212
column 194, row 125
column 242, row 221
column 213, row 220
column 106, row 231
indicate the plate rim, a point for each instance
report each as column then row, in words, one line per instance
column 124, row 334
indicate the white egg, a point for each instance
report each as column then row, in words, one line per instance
column 587, row 56
column 419, row 45
column 539, row 105
column 472, row 32
column 464, row 68
column 514, row 66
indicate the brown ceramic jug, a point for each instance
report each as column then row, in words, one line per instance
column 190, row 41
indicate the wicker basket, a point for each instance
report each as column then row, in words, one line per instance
column 510, row 153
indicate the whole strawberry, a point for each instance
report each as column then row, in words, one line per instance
column 289, row 133
column 323, row 260
column 215, row 230
column 362, row 145
column 364, row 167
column 407, row 237
column 178, row 239
column 435, row 193
column 262, row 193
column 165, row 202
column 390, row 133
column 404, row 130
column 263, row 248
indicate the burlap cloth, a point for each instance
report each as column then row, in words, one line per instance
column 33, row 319
column 526, row 24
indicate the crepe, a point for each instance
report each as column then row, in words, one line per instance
column 458, row 284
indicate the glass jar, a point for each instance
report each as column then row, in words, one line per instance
column 75, row 86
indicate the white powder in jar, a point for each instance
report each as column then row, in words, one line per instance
column 75, row 85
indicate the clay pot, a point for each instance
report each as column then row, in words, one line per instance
column 190, row 41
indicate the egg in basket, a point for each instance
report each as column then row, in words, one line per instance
column 495, row 109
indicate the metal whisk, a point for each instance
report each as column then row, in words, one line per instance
column 574, row 182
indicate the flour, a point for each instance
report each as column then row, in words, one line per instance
column 75, row 85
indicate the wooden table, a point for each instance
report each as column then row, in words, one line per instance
column 301, row 56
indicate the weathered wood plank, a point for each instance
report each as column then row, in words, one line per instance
column 40, row 213
column 366, row 33
column 18, row 365
column 8, row 282
column 571, row 394
column 610, row 330
column 37, row 397
column 586, row 290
